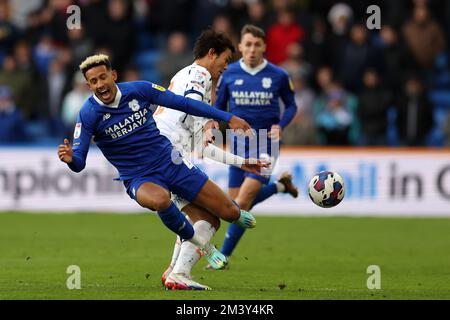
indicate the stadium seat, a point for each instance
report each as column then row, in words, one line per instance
column 436, row 137
column 150, row 74
column 392, row 134
column 440, row 98
column 147, row 58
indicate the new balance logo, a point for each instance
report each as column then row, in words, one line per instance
column 239, row 82
column 106, row 116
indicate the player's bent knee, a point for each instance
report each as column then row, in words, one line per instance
column 158, row 202
column 162, row 203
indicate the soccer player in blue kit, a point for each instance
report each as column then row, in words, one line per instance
column 119, row 118
column 252, row 88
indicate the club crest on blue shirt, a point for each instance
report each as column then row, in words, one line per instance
column 266, row 83
column 134, row 105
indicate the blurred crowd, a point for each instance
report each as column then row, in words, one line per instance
column 353, row 85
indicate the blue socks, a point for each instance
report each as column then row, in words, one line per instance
column 265, row 192
column 177, row 222
column 232, row 237
column 235, row 232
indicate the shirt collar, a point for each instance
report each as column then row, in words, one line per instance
column 254, row 70
column 114, row 104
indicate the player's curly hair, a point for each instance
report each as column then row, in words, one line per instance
column 211, row 39
column 95, row 61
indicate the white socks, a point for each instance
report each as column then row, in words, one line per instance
column 176, row 252
column 188, row 254
column 280, row 187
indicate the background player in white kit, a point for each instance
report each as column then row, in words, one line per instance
column 212, row 52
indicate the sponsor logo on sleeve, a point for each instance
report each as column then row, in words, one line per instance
column 77, row 131
column 291, row 84
column 158, row 87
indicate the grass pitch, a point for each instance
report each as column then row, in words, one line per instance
column 123, row 257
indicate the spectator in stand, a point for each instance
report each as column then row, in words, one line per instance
column 119, row 33
column 397, row 58
column 53, row 88
column 334, row 111
column 54, row 18
column 8, row 33
column 26, row 68
column 222, row 23
column 281, row 34
column 302, row 129
column 23, row 57
column 318, row 44
column 131, row 73
column 258, row 14
column 374, row 102
column 295, row 63
column 414, row 113
column 43, row 53
column 424, row 36
column 203, row 13
column 80, row 44
column 21, row 85
column 340, row 18
column 174, row 58
column 11, row 120
column 446, row 130
column 357, row 55
column 110, row 25
column 20, row 11
column 166, row 17
column 73, row 101
column 238, row 13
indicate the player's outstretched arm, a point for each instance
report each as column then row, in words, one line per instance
column 196, row 108
column 287, row 96
column 254, row 165
column 250, row 165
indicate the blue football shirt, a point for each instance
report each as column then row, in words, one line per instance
column 125, row 130
column 253, row 94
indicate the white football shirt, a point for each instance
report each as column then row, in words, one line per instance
column 193, row 81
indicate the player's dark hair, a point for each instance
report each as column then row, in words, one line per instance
column 211, row 39
column 254, row 31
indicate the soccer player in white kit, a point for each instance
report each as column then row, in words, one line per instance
column 213, row 51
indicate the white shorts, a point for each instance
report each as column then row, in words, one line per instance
column 179, row 202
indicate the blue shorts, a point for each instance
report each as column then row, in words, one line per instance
column 184, row 179
column 236, row 176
